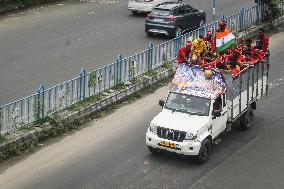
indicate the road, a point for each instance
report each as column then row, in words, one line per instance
column 111, row 152
column 51, row 44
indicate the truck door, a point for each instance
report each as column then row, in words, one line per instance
column 219, row 123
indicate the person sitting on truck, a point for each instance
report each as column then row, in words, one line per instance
column 184, row 53
column 210, row 42
column 198, row 47
column 248, row 47
column 222, row 26
column 262, row 41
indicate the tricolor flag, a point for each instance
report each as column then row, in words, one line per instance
column 224, row 40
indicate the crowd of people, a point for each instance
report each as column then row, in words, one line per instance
column 202, row 52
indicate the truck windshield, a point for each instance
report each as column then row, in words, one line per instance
column 188, row 104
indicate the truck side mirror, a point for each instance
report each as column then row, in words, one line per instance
column 161, row 103
column 216, row 113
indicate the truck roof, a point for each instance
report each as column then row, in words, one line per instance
column 192, row 80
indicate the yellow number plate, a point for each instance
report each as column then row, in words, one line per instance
column 168, row 144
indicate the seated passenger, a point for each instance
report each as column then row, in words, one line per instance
column 248, row 47
column 183, row 53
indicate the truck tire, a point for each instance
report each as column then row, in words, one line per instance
column 204, row 151
column 246, row 120
column 153, row 150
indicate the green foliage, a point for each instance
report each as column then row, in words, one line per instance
column 151, row 73
column 27, row 127
column 93, row 80
column 119, row 86
column 89, row 100
column 274, row 10
column 2, row 139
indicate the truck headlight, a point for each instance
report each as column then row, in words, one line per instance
column 153, row 128
column 190, row 136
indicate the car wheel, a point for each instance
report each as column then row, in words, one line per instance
column 246, row 120
column 134, row 12
column 153, row 150
column 150, row 34
column 204, row 151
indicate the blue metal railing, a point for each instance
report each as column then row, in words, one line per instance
column 47, row 101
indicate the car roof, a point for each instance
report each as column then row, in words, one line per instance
column 169, row 6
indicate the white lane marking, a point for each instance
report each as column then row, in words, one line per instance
column 91, row 13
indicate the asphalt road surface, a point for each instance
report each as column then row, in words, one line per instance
column 111, row 152
column 51, row 44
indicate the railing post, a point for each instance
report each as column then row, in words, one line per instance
column 213, row 9
column 202, row 28
column 222, row 16
column 257, row 10
column 118, row 69
column 82, row 84
column 150, row 55
column 1, row 118
column 241, row 19
column 40, row 102
column 178, row 43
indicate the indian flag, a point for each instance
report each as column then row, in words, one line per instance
column 224, row 40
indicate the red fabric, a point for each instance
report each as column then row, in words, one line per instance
column 182, row 51
column 265, row 43
column 241, row 58
column 212, row 44
column 234, row 71
column 258, row 56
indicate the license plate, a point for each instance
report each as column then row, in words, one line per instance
column 168, row 144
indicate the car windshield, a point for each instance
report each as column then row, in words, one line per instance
column 161, row 12
column 188, row 104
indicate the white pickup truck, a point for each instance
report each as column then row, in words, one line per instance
column 201, row 105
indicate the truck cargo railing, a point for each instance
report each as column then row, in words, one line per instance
column 247, row 87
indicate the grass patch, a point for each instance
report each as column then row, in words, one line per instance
column 151, row 73
column 20, row 4
column 27, row 127
column 119, row 86
column 167, row 65
column 2, row 139
column 86, row 101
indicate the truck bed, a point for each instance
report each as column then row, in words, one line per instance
column 248, row 87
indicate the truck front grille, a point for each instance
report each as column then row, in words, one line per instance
column 171, row 134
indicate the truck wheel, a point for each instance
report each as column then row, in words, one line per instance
column 153, row 150
column 204, row 151
column 246, row 120
column 150, row 34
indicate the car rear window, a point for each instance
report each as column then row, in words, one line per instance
column 161, row 12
